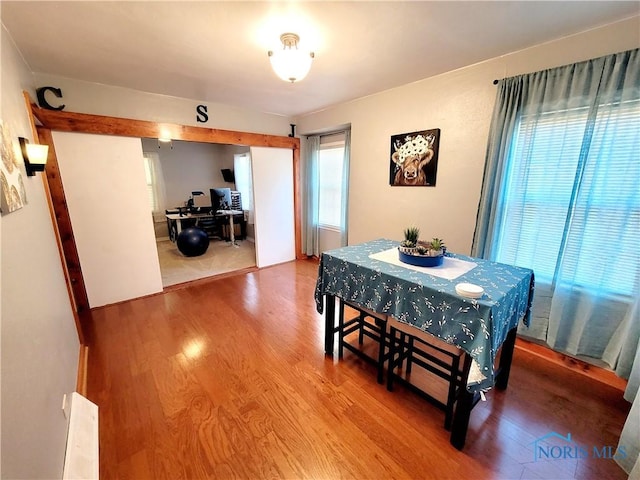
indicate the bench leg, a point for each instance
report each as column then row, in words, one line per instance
column 392, row 359
column 340, row 331
column 361, row 330
column 454, row 386
column 382, row 350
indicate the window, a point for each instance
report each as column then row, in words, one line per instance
column 243, row 180
column 330, row 171
column 155, row 183
column 553, row 186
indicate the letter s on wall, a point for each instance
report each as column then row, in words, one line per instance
column 202, row 116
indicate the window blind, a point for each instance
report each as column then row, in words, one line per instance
column 567, row 172
column 148, row 175
column 330, row 165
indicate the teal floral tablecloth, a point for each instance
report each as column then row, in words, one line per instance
column 431, row 303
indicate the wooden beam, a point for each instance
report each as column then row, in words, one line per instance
column 45, row 183
column 127, row 127
column 297, row 204
column 81, row 379
column 63, row 222
column 105, row 125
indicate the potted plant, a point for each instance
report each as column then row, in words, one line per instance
column 408, row 245
column 436, row 247
column 422, row 254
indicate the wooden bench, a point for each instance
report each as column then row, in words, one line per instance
column 415, row 347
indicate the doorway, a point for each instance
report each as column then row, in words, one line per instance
column 85, row 123
column 180, row 176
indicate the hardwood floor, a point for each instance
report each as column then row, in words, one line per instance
column 227, row 379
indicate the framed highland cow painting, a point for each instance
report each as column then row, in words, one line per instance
column 414, row 159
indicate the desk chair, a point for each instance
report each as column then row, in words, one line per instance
column 407, row 343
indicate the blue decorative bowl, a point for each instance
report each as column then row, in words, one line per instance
column 421, row 260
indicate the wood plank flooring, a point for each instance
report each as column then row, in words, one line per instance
column 227, row 379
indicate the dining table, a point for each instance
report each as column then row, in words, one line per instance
column 372, row 276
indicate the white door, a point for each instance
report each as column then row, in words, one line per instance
column 106, row 192
column 272, row 170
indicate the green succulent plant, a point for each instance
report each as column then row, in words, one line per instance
column 437, row 244
column 411, row 235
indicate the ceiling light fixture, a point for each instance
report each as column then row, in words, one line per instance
column 290, row 63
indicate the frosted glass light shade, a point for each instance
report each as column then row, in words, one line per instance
column 34, row 156
column 289, row 63
column 37, row 154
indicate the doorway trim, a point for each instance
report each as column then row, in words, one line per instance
column 55, row 120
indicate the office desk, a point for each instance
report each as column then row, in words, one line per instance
column 416, row 296
column 176, row 219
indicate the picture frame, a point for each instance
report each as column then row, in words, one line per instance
column 13, row 194
column 413, row 158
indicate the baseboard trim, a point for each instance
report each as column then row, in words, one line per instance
column 594, row 372
column 180, row 286
column 83, row 361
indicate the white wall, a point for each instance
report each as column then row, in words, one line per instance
column 328, row 239
column 39, row 343
column 98, row 99
column 460, row 103
column 106, row 193
column 190, row 166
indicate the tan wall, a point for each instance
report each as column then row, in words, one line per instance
column 39, row 340
column 460, row 103
column 87, row 97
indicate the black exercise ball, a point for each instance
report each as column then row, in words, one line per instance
column 193, row 241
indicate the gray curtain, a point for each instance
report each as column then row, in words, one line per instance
column 576, row 310
column 630, row 436
column 566, row 316
column 312, row 195
column 344, row 208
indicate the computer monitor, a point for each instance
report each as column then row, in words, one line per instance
column 220, row 198
column 202, row 201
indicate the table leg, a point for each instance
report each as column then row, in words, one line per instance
column 463, row 408
column 506, row 357
column 329, row 323
column 231, row 234
column 179, row 225
column 461, row 419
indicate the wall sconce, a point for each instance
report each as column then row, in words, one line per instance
column 165, row 141
column 291, row 64
column 35, row 156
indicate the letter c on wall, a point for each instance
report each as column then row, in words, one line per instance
column 42, row 101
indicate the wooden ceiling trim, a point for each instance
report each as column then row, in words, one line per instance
column 127, row 127
column 56, row 120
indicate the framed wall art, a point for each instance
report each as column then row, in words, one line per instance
column 13, row 195
column 413, row 158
